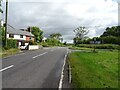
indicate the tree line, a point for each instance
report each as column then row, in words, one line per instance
column 110, row 36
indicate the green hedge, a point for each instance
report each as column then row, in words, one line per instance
column 11, row 44
column 99, row 46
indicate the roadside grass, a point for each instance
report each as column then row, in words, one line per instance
column 9, row 52
column 94, row 70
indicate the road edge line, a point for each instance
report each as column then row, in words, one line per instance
column 70, row 74
column 62, row 75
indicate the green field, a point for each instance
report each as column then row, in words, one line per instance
column 94, row 70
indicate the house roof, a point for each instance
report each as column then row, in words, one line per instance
column 12, row 30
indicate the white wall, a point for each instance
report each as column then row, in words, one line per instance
column 19, row 43
column 33, row 47
column 17, row 37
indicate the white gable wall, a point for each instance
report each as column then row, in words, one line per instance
column 17, row 37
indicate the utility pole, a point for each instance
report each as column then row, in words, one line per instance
column 6, row 21
column 1, row 12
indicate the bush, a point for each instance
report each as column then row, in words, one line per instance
column 32, row 43
column 53, row 42
column 10, row 44
column 45, row 44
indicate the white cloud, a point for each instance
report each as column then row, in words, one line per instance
column 64, row 15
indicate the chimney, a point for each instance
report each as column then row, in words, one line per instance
column 29, row 29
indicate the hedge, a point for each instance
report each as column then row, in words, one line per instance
column 10, row 44
column 99, row 46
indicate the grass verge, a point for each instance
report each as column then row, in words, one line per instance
column 94, row 70
column 9, row 52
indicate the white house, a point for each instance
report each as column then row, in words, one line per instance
column 23, row 37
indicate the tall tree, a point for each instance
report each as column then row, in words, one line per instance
column 38, row 33
column 80, row 33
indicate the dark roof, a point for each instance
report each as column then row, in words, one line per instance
column 12, row 30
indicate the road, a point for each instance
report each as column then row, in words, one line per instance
column 34, row 69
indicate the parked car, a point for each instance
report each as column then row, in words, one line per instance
column 24, row 47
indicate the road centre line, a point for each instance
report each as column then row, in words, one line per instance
column 39, row 55
column 6, row 68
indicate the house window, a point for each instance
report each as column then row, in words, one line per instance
column 11, row 35
column 21, row 36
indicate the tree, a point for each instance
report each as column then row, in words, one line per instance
column 77, row 40
column 80, row 33
column 110, row 40
column 56, row 36
column 55, row 39
column 113, row 31
column 52, row 42
column 37, row 33
column 111, row 35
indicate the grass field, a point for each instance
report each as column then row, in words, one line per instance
column 94, row 70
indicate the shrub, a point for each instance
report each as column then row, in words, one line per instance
column 44, row 44
column 32, row 43
column 10, row 44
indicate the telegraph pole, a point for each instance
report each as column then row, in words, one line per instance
column 6, row 21
column 1, row 12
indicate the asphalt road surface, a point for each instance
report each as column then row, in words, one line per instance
column 34, row 69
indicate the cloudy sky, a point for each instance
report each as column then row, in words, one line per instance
column 63, row 16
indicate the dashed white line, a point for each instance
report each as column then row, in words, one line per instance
column 39, row 55
column 6, row 68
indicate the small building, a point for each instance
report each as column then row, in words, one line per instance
column 23, row 37
column 44, row 38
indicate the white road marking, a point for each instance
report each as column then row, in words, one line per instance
column 62, row 76
column 6, row 68
column 39, row 55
